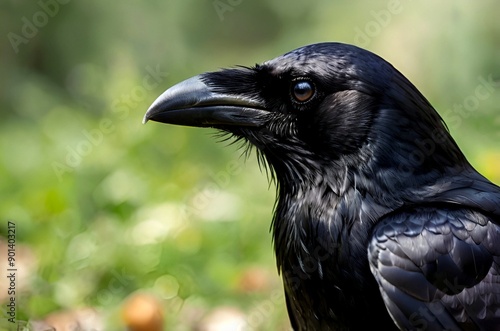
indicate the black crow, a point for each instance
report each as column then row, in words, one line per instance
column 380, row 220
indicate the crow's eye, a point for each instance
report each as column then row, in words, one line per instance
column 302, row 90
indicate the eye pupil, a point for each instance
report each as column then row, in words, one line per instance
column 302, row 91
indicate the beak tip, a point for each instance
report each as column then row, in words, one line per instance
column 152, row 110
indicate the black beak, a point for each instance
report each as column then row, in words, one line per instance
column 193, row 103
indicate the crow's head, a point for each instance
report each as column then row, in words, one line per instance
column 326, row 105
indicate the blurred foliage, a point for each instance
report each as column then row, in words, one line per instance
column 108, row 206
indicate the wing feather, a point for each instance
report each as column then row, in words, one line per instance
column 438, row 268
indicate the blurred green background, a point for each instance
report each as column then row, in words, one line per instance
column 105, row 207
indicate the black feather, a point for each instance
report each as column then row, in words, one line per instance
column 378, row 211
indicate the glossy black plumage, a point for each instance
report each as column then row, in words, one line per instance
column 378, row 211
